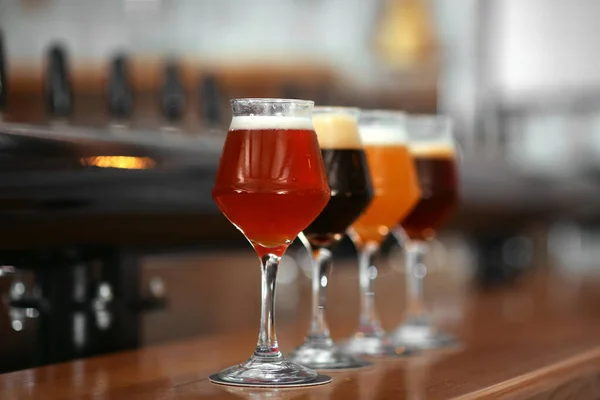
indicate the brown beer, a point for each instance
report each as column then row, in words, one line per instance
column 437, row 175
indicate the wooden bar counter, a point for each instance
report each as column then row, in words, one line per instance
column 537, row 338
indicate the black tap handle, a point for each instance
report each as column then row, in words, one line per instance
column 59, row 93
column 3, row 78
column 291, row 91
column 210, row 99
column 173, row 98
column 120, row 92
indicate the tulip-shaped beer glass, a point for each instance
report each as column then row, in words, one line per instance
column 396, row 192
column 271, row 184
column 351, row 192
column 432, row 148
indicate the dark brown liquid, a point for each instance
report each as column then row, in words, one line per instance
column 351, row 192
column 439, row 196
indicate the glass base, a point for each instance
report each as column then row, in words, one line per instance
column 324, row 355
column 418, row 334
column 267, row 372
column 373, row 346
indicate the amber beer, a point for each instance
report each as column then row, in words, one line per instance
column 347, row 174
column 394, row 180
column 436, row 170
column 271, row 181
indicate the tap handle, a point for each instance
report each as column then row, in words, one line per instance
column 120, row 91
column 59, row 93
column 173, row 97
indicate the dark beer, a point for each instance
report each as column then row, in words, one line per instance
column 351, row 193
column 436, row 171
column 347, row 175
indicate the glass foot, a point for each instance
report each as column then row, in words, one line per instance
column 326, row 356
column 268, row 372
column 373, row 346
column 419, row 335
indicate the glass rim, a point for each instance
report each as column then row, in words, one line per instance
column 336, row 110
column 443, row 121
column 274, row 100
column 385, row 117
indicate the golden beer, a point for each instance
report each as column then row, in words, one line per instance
column 394, row 179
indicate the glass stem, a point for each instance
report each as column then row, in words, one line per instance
column 400, row 236
column 416, row 271
column 367, row 272
column 267, row 346
column 322, row 264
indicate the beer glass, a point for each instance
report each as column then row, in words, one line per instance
column 433, row 151
column 271, row 184
column 351, row 192
column 396, row 192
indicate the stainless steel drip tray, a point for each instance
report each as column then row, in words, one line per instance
column 50, row 168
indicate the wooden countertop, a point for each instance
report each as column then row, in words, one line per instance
column 537, row 339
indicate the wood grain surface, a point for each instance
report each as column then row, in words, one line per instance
column 539, row 338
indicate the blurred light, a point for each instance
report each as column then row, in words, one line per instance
column 18, row 289
column 17, row 326
column 406, row 37
column 420, row 271
column 323, row 281
column 79, row 334
column 7, row 270
column 31, row 313
column 121, row 162
column 105, row 291
column 372, row 272
column 103, row 320
column 157, row 287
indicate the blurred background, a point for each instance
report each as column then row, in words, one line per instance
column 113, row 113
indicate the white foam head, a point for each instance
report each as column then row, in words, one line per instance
column 431, row 136
column 383, row 135
column 433, row 149
column 270, row 122
column 337, row 131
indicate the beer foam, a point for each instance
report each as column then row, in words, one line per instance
column 433, row 150
column 270, row 122
column 337, row 131
column 383, row 135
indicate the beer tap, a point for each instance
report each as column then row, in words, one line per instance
column 173, row 96
column 210, row 103
column 120, row 91
column 59, row 92
column 291, row 91
column 3, row 78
